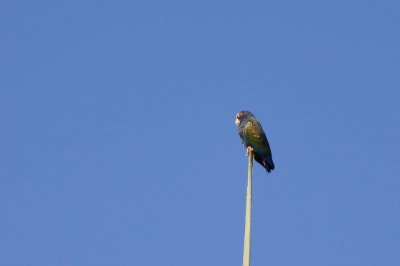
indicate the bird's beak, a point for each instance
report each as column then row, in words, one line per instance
column 237, row 121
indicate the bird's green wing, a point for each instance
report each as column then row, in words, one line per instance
column 255, row 136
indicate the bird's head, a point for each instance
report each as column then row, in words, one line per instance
column 242, row 116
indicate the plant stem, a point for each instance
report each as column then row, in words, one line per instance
column 247, row 228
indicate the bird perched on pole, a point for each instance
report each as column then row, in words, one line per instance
column 254, row 139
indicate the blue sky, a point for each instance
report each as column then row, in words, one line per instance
column 118, row 142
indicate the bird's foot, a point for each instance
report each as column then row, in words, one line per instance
column 249, row 149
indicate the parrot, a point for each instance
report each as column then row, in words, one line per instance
column 254, row 139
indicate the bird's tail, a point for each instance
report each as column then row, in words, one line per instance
column 268, row 164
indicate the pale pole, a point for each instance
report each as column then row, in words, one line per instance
column 247, row 228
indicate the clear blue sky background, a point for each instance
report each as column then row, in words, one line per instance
column 118, row 143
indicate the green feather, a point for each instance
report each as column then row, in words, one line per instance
column 256, row 137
